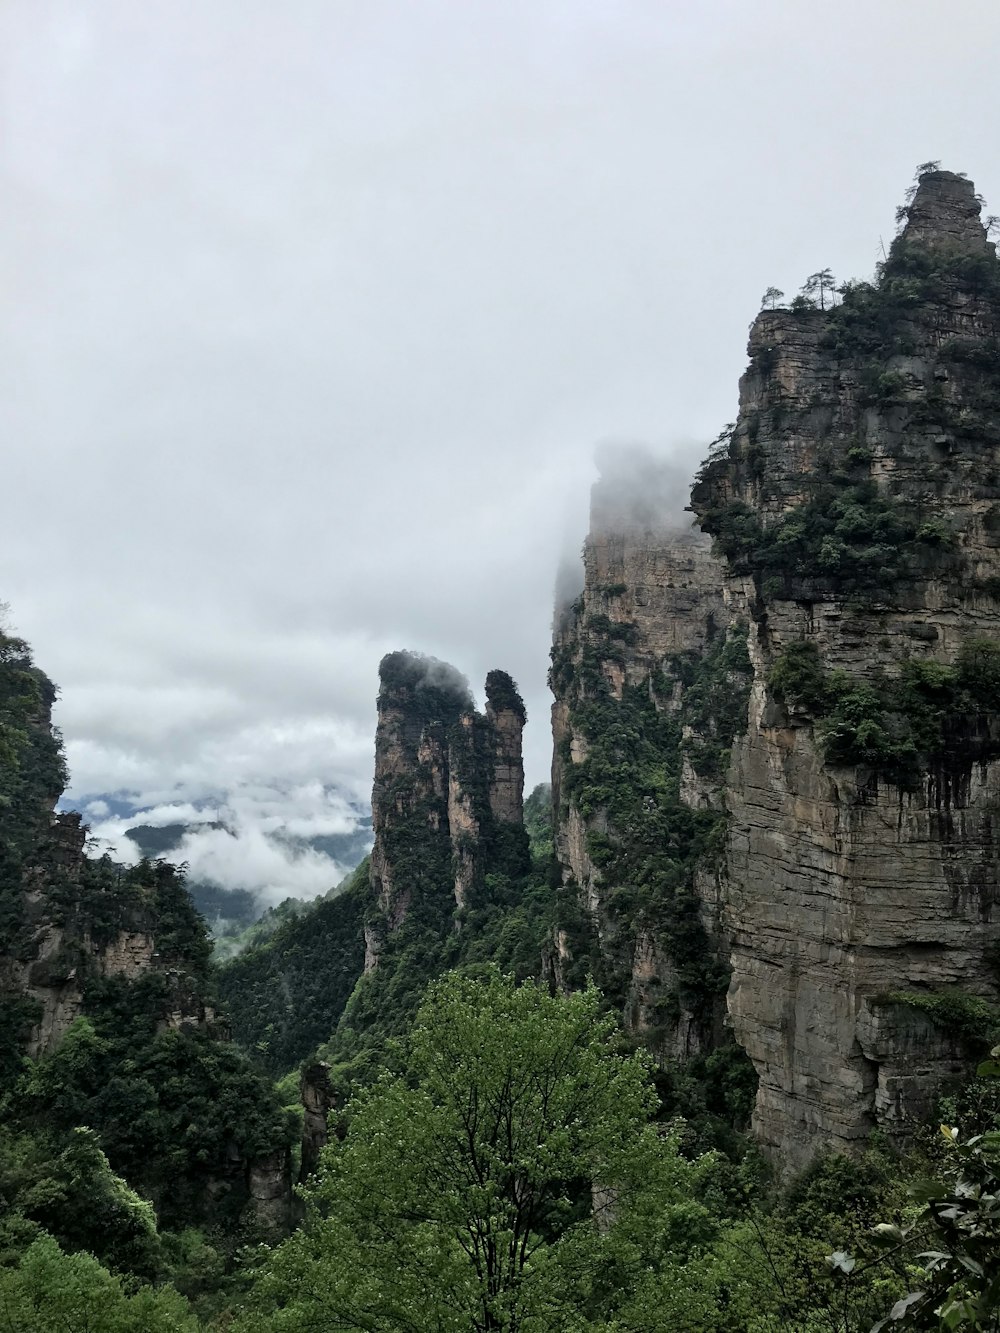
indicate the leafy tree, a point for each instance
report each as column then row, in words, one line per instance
column 462, row 1196
column 172, row 1110
column 820, row 286
column 772, row 298
column 70, row 1191
column 51, row 1292
column 957, row 1231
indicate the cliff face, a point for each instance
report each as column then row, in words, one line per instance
column 448, row 793
column 857, row 505
column 650, row 675
column 123, row 950
column 67, row 921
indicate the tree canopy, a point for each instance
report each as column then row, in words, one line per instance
column 493, row 1184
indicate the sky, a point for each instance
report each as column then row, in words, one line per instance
column 315, row 312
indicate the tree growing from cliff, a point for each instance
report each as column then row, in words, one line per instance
column 820, row 287
column 771, row 298
column 463, row 1197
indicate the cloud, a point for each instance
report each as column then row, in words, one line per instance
column 255, row 838
column 314, row 313
column 248, row 859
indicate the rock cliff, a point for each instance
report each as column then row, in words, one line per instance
column 856, row 506
column 650, row 676
column 448, row 793
column 68, row 920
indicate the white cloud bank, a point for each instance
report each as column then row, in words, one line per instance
column 261, row 846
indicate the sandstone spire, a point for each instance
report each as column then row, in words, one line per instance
column 945, row 215
column 856, row 504
column 446, row 779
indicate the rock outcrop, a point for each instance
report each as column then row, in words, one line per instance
column 639, row 756
column 85, row 938
column 318, row 1100
column 67, row 920
column 449, row 785
column 857, row 505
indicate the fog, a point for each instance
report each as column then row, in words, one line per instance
column 315, row 314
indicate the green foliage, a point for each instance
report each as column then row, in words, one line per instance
column 173, row 1110
column 538, row 823
column 286, row 994
column 955, row 1011
column 845, row 538
column 48, row 1291
column 433, row 691
column 460, row 1198
column 714, row 704
column 502, row 695
column 952, row 1245
column 643, row 838
column 898, row 725
column 32, row 776
column 65, row 1186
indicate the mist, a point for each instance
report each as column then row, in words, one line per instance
column 315, row 314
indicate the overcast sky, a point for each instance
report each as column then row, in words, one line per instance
column 314, row 312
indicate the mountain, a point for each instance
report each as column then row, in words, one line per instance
column 776, row 733
column 770, row 839
column 108, row 1011
column 450, row 880
column 856, row 507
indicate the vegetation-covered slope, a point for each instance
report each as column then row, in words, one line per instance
column 109, row 1023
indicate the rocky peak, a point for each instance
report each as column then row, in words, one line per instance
column 506, row 716
column 446, row 778
column 648, row 687
column 945, row 215
column 857, row 505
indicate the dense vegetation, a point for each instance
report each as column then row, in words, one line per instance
column 509, row 1177
column 285, row 993
column 484, row 1119
column 901, row 726
column 138, row 1123
column 646, row 841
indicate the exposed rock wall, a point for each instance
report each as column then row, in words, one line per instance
column 72, row 931
column 448, row 781
column 651, row 613
column 506, row 716
column 318, row 1100
column 858, row 506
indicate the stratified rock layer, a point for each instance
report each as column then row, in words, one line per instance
column 843, row 887
column 447, row 781
column 627, row 757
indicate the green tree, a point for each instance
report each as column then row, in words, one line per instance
column 51, row 1292
column 463, row 1196
column 771, row 298
column 820, row 286
column 68, row 1189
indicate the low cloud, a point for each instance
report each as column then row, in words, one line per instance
column 256, row 838
column 246, row 858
